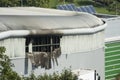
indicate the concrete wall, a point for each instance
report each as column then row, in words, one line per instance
column 87, row 60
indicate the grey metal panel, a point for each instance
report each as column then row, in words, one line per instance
column 113, row 27
column 3, row 27
column 60, row 7
column 71, row 7
column 78, row 9
column 92, row 8
column 65, row 7
column 88, row 9
column 26, row 22
column 83, row 8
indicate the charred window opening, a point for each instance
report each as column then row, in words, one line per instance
column 43, row 43
column 43, row 49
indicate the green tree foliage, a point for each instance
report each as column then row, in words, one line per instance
column 110, row 5
column 105, row 2
column 67, row 75
column 13, row 3
column 7, row 3
column 114, row 6
column 6, row 72
column 67, row 1
column 71, row 1
column 64, row 75
column 37, row 3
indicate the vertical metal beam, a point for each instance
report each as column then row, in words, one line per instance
column 51, row 42
column 30, row 47
column 51, row 49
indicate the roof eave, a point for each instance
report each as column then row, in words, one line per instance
column 23, row 33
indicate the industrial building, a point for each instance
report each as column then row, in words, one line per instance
column 48, row 40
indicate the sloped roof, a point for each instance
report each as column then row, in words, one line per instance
column 33, row 11
column 23, row 21
column 39, row 18
column 35, row 22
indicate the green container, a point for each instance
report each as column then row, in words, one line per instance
column 112, row 60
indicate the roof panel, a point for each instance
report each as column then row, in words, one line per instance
column 39, row 20
column 49, row 22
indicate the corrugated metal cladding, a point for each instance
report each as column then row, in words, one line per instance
column 82, row 43
column 39, row 20
column 15, row 47
column 112, row 60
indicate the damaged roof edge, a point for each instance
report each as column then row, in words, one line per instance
column 23, row 33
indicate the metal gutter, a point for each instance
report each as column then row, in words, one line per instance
column 22, row 33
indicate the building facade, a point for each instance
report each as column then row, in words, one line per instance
column 48, row 40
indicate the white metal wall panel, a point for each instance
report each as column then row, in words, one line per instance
column 15, row 47
column 81, row 43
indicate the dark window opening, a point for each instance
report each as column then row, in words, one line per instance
column 44, row 50
column 43, row 43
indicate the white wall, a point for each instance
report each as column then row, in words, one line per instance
column 81, row 43
column 88, row 53
column 86, row 60
column 15, row 47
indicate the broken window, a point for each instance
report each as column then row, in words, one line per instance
column 42, row 49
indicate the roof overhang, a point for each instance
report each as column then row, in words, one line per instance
column 23, row 33
column 12, row 25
